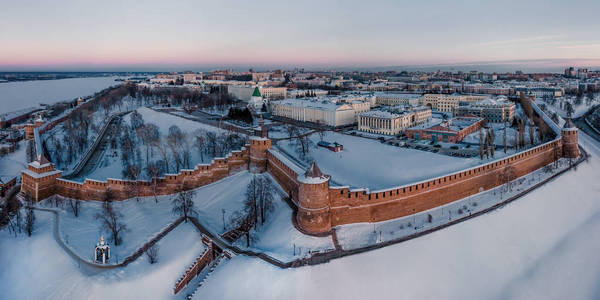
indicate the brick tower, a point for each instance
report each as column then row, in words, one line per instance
column 313, row 201
column 570, row 140
column 39, row 179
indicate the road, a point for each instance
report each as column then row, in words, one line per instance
column 583, row 126
column 90, row 164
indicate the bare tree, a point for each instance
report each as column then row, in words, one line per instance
column 211, row 142
column 75, row 205
column 199, row 142
column 481, row 144
column 183, row 204
column 304, row 144
column 244, row 223
column 152, row 253
column 569, row 109
column 30, row 215
column 11, row 216
column 504, row 139
column 110, row 220
column 292, row 130
column 154, row 170
column 252, row 198
column 136, row 120
column 162, row 148
column 266, row 191
column 149, row 133
column 175, row 141
column 133, row 172
column 507, row 175
column 531, row 133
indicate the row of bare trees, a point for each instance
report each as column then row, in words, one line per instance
column 257, row 207
column 174, row 149
column 301, row 140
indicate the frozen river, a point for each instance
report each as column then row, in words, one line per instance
column 24, row 94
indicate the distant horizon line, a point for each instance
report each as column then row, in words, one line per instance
column 503, row 66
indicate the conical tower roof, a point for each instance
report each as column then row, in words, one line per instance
column 42, row 159
column 314, row 171
column 256, row 92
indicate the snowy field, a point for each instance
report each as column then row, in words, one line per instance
column 279, row 238
column 144, row 219
column 578, row 109
column 165, row 120
column 23, row 94
column 371, row 164
column 279, row 132
column 37, row 268
column 542, row 246
column 11, row 164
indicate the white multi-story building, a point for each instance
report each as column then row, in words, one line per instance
column 330, row 111
column 493, row 110
column 541, row 92
column 394, row 121
column 449, row 102
column 398, row 99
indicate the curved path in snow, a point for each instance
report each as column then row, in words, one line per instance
column 91, row 268
column 88, row 267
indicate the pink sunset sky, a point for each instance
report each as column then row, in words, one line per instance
column 89, row 34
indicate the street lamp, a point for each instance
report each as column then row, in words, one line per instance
column 223, row 211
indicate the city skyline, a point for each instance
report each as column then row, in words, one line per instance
column 155, row 35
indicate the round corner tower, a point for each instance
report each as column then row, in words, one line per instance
column 570, row 140
column 258, row 153
column 313, row 201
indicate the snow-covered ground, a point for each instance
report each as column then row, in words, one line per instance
column 144, row 219
column 279, row 238
column 23, row 94
column 165, row 120
column 11, row 164
column 578, row 109
column 37, row 268
column 367, row 163
column 280, row 131
column 542, row 246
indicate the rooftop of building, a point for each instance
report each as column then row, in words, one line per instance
column 398, row 95
column 380, row 114
column 323, row 102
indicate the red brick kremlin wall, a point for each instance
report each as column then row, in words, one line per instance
column 352, row 207
column 186, row 179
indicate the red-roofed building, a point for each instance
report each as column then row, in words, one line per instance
column 451, row 131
